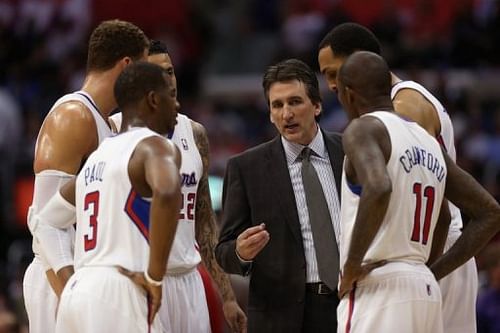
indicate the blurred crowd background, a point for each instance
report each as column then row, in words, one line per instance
column 220, row 49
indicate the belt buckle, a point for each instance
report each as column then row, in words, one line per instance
column 323, row 289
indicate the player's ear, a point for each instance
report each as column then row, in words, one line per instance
column 153, row 100
column 349, row 95
column 123, row 62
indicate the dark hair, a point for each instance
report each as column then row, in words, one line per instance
column 289, row 70
column 157, row 47
column 347, row 38
column 113, row 40
column 136, row 81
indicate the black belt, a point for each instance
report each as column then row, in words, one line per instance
column 318, row 288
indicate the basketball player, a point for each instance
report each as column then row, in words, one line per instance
column 394, row 181
column 410, row 99
column 127, row 200
column 184, row 304
column 73, row 128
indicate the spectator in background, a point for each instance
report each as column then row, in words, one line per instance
column 10, row 134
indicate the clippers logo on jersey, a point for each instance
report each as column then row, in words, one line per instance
column 188, row 180
column 94, row 172
column 416, row 156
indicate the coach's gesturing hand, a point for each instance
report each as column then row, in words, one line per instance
column 153, row 289
column 251, row 241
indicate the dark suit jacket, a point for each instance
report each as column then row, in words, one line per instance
column 257, row 188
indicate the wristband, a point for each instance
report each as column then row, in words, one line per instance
column 152, row 282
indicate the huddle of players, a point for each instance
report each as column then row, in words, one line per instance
column 131, row 182
column 132, row 179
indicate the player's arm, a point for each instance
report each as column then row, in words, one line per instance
column 51, row 229
column 154, row 171
column 367, row 148
column 206, row 234
column 65, row 140
column 440, row 232
column 484, row 212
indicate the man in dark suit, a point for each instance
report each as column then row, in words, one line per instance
column 281, row 211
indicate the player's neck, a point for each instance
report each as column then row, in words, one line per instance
column 100, row 87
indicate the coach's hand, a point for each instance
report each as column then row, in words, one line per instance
column 251, row 241
column 153, row 292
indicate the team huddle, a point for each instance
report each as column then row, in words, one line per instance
column 123, row 226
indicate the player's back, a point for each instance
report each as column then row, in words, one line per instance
column 112, row 219
column 417, row 171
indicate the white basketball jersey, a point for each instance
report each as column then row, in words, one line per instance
column 112, row 219
column 184, row 254
column 446, row 138
column 417, row 171
column 103, row 131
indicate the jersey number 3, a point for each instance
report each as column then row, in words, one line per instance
column 90, row 239
column 429, row 206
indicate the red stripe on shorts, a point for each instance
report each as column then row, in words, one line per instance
column 351, row 309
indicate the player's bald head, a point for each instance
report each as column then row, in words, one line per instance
column 366, row 73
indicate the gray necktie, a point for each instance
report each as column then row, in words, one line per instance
column 327, row 253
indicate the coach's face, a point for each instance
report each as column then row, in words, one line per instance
column 329, row 65
column 292, row 111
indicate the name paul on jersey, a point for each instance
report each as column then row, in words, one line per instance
column 94, row 172
column 416, row 156
column 188, row 180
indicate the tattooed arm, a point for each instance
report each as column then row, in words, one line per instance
column 206, row 236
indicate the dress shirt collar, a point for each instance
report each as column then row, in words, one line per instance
column 293, row 150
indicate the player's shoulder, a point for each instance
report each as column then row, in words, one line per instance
column 70, row 115
column 155, row 143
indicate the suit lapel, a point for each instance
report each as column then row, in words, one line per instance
column 280, row 177
column 336, row 156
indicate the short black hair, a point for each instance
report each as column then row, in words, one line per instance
column 136, row 81
column 113, row 40
column 290, row 70
column 349, row 37
column 157, row 47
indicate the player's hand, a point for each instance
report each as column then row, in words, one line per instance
column 251, row 241
column 153, row 292
column 235, row 317
column 353, row 273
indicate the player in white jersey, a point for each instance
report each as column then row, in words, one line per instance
column 73, row 128
column 395, row 175
column 459, row 289
column 127, row 199
column 393, row 184
column 184, row 305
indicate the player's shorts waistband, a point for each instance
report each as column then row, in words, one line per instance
column 396, row 269
column 181, row 270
